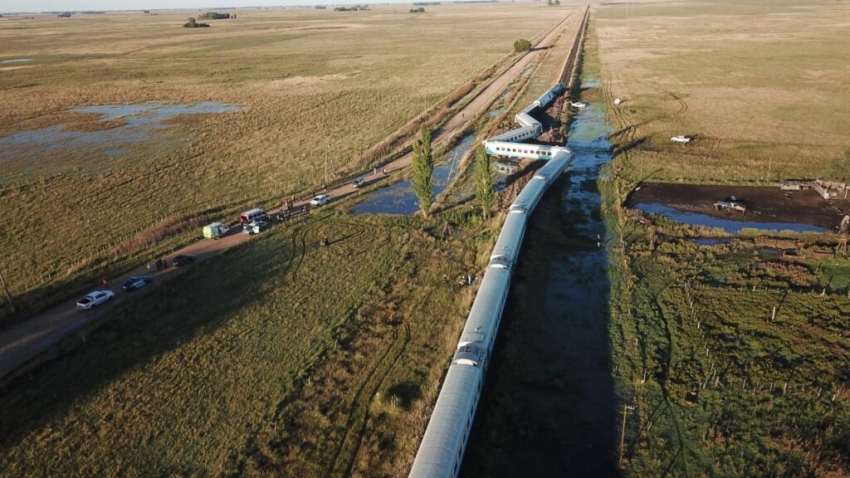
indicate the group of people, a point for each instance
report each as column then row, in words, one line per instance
column 160, row 264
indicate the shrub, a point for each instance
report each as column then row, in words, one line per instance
column 522, row 45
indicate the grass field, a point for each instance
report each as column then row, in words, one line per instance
column 761, row 84
column 280, row 357
column 733, row 361
column 312, row 88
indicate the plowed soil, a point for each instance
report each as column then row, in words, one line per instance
column 764, row 203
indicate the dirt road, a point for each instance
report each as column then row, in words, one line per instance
column 24, row 342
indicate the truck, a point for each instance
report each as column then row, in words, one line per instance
column 215, row 230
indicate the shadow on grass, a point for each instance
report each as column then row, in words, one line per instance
column 549, row 406
column 137, row 332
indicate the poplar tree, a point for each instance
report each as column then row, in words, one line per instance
column 423, row 167
column 485, row 193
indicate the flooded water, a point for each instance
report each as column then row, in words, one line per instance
column 16, row 60
column 550, row 409
column 591, row 81
column 399, row 198
column 730, row 226
column 141, row 123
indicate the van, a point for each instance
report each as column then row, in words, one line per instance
column 215, row 230
column 257, row 214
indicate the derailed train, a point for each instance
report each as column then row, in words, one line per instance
column 441, row 451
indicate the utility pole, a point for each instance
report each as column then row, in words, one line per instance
column 623, row 432
column 8, row 295
column 327, row 155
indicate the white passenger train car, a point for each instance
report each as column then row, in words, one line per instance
column 441, row 452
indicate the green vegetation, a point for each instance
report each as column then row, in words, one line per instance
column 193, row 24
column 423, row 167
column 522, row 45
column 279, row 357
column 729, row 360
column 484, row 191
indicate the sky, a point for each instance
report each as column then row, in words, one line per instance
column 30, row 6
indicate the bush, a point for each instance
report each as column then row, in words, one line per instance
column 193, row 24
column 522, row 45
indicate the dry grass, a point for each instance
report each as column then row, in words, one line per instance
column 762, row 84
column 309, row 84
column 276, row 359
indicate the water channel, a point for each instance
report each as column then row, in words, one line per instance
column 549, row 406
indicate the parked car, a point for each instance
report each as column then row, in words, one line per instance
column 94, row 299
column 134, row 283
column 358, row 182
column 183, row 260
column 215, row 230
column 260, row 226
column 320, row 200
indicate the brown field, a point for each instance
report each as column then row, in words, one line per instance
column 316, row 90
column 278, row 357
column 763, row 86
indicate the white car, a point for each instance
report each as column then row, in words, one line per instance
column 682, row 139
column 94, row 299
column 320, row 200
column 578, row 104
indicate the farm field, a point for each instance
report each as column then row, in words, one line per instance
column 761, row 85
column 291, row 98
column 279, row 357
column 729, row 353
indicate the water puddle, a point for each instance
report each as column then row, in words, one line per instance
column 15, row 60
column 494, row 113
column 140, row 122
column 505, row 96
column 399, row 198
column 588, row 140
column 591, row 81
column 728, row 225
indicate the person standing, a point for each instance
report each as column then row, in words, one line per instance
column 104, row 282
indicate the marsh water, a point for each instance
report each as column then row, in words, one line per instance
column 399, row 198
column 141, row 122
column 730, row 226
column 549, row 406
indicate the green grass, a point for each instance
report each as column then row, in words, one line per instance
column 278, row 357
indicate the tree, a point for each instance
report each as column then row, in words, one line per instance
column 423, row 167
column 190, row 23
column 522, row 45
column 484, row 181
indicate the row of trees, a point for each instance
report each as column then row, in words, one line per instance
column 423, row 168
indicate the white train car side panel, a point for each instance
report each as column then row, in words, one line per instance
column 442, row 447
column 486, row 313
column 518, row 150
column 510, row 238
column 441, row 452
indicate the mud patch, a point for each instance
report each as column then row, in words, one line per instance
column 765, row 205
